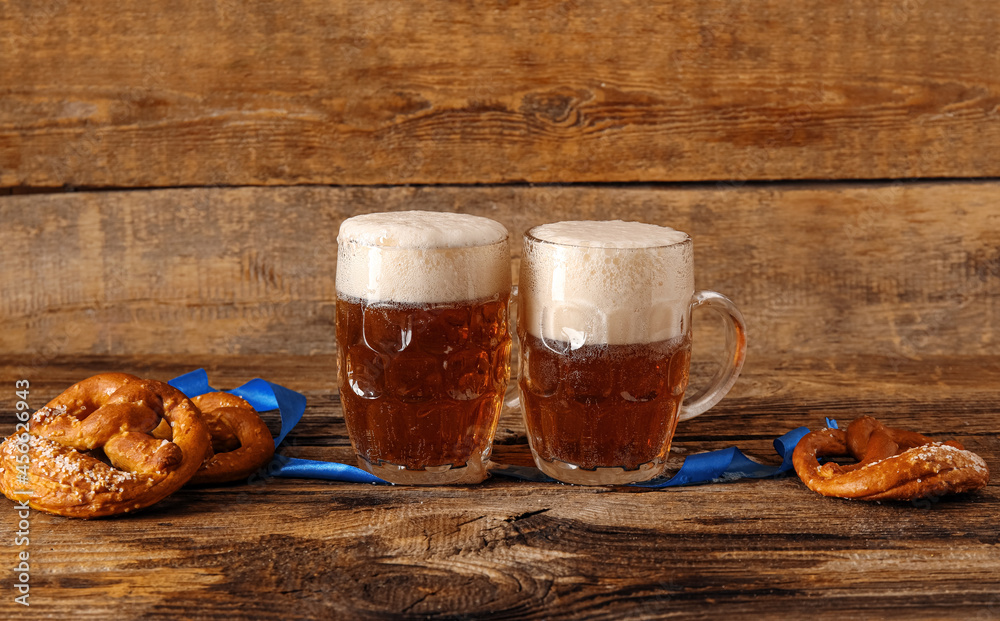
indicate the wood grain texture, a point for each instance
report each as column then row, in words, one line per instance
column 142, row 94
column 901, row 270
column 282, row 548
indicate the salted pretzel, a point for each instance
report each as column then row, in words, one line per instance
column 893, row 464
column 241, row 442
column 110, row 444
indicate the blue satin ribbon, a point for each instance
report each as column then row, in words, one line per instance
column 264, row 397
column 730, row 464
column 722, row 465
column 295, row 468
column 719, row 466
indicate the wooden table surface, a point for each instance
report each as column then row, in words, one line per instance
column 305, row 549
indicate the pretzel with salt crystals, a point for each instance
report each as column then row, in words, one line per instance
column 152, row 435
column 241, row 441
column 893, row 464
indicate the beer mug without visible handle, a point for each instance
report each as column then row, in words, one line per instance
column 423, row 342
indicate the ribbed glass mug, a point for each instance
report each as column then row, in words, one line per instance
column 423, row 342
column 604, row 327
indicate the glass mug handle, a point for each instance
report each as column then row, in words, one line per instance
column 512, row 399
column 736, row 351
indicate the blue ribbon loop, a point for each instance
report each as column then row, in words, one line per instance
column 262, row 395
column 722, row 465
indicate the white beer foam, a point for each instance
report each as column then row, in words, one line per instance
column 422, row 257
column 606, row 282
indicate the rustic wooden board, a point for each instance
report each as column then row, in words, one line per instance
column 900, row 270
column 506, row 549
column 161, row 93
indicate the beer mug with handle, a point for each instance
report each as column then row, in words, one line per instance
column 604, row 326
column 423, row 342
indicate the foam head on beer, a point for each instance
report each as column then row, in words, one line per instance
column 422, row 257
column 593, row 282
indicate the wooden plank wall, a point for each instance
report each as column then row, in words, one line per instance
column 886, row 269
column 835, row 162
column 166, row 93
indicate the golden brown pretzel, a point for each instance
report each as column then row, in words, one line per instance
column 152, row 435
column 893, row 464
column 240, row 439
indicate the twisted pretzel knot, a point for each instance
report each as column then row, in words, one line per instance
column 241, row 441
column 893, row 464
column 152, row 435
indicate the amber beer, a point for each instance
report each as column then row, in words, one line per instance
column 603, row 406
column 423, row 342
column 604, row 324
